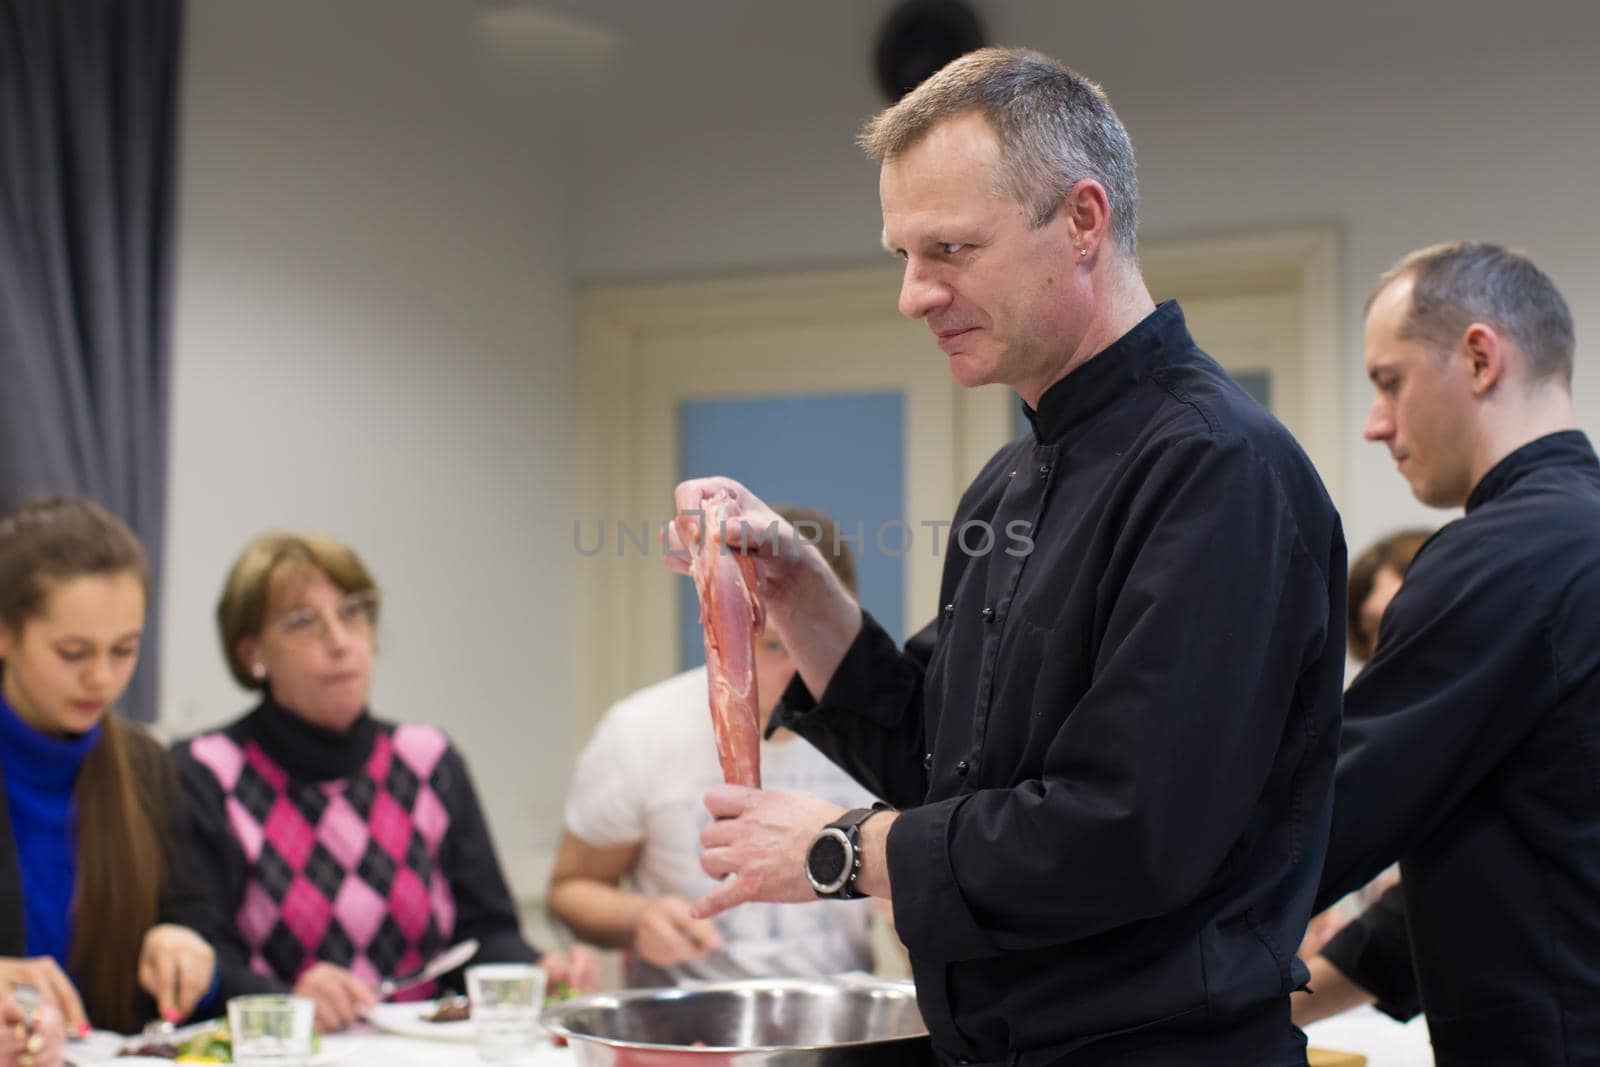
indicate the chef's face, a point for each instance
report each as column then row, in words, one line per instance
column 1423, row 410
column 997, row 293
column 67, row 665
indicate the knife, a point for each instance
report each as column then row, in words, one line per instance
column 443, row 963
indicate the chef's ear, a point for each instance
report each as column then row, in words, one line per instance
column 1485, row 353
column 1086, row 213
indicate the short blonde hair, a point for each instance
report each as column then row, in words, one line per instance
column 242, row 609
column 1055, row 128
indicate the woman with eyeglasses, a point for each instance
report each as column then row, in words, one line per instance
column 97, row 912
column 347, row 849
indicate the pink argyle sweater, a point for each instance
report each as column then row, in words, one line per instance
column 345, row 870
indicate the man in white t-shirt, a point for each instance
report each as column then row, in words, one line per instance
column 635, row 812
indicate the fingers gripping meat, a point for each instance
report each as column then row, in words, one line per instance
column 731, row 615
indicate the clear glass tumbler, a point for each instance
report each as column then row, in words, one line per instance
column 506, row 1001
column 271, row 1030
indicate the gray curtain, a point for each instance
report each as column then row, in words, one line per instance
column 88, row 100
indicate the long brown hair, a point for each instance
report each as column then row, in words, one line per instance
column 122, row 797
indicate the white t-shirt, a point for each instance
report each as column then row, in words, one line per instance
column 642, row 779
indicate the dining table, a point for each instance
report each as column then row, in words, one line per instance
column 1383, row 1041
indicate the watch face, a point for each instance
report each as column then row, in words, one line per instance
column 828, row 861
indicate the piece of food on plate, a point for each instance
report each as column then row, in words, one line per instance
column 458, row 1009
column 450, row 1010
column 156, row 1050
column 211, row 1044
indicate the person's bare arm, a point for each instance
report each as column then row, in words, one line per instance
column 586, row 895
column 1332, row 993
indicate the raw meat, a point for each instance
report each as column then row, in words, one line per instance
column 732, row 615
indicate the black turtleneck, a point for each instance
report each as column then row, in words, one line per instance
column 1114, row 749
column 1471, row 754
column 307, row 751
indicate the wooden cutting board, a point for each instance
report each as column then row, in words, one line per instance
column 1327, row 1057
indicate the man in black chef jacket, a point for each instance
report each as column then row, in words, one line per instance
column 1112, row 753
column 1471, row 748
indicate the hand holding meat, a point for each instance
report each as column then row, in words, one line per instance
column 757, row 845
column 803, row 600
column 749, row 528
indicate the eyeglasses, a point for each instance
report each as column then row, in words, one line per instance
column 356, row 612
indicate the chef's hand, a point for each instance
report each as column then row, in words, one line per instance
column 31, row 1038
column 578, row 967
column 784, row 555
column 807, row 607
column 757, row 844
column 340, row 996
column 668, row 933
column 55, row 988
column 175, row 968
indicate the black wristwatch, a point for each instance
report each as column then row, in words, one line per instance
column 834, row 859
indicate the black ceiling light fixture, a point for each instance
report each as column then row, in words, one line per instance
column 919, row 37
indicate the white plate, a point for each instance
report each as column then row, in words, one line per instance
column 410, row 1019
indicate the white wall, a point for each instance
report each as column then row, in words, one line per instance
column 372, row 338
column 1403, row 123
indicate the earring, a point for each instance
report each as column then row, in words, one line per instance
column 258, row 671
column 1083, row 251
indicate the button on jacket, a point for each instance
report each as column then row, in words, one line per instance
column 1115, row 746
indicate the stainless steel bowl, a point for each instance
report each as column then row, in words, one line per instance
column 779, row 1022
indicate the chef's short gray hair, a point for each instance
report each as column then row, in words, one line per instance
column 1055, row 128
column 1458, row 283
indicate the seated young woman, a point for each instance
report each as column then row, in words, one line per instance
column 97, row 910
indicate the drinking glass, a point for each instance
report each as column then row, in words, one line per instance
column 506, row 998
column 271, row 1030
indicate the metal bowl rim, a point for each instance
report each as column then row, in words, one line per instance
column 552, row 1022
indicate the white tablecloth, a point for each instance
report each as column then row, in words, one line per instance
column 1385, row 1043
column 359, row 1047
column 372, row 1049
